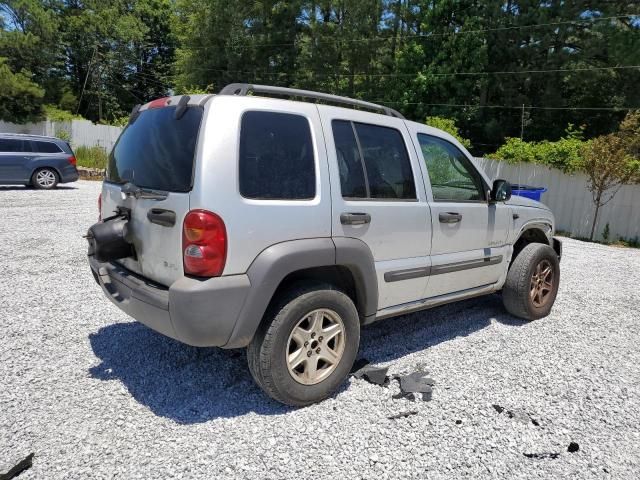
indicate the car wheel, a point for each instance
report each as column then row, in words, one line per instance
column 45, row 179
column 532, row 282
column 306, row 345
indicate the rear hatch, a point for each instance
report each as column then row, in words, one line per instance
column 154, row 157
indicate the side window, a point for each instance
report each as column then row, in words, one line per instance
column 453, row 178
column 352, row 182
column 373, row 162
column 276, row 157
column 45, row 147
column 11, row 145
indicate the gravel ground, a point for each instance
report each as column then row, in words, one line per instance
column 96, row 395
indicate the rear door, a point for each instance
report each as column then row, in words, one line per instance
column 155, row 152
column 378, row 197
column 469, row 233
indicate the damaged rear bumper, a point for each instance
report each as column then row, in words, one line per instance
column 197, row 312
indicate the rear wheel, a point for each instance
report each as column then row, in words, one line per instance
column 532, row 282
column 45, row 179
column 306, row 346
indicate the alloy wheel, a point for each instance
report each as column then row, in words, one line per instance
column 45, row 178
column 315, row 346
column 541, row 283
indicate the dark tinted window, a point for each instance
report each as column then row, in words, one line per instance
column 44, row 147
column 276, row 157
column 11, row 145
column 375, row 164
column 156, row 150
column 352, row 181
column 451, row 174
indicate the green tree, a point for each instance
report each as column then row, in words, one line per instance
column 20, row 98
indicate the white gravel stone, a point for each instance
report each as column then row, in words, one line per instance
column 96, row 395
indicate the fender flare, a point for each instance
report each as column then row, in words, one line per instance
column 274, row 263
column 544, row 225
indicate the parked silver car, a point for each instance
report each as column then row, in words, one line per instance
column 35, row 160
column 238, row 220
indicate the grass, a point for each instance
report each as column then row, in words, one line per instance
column 91, row 157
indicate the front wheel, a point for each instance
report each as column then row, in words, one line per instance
column 532, row 282
column 306, row 345
column 45, row 179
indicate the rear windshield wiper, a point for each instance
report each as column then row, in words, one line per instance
column 131, row 190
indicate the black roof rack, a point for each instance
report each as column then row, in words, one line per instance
column 244, row 88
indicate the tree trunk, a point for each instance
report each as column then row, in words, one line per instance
column 595, row 217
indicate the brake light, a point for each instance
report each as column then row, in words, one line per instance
column 204, row 244
column 159, row 102
column 100, row 207
column 72, row 160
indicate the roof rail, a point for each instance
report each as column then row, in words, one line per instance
column 244, row 88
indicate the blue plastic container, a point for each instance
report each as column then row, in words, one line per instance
column 534, row 193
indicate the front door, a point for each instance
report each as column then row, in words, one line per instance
column 13, row 160
column 469, row 233
column 378, row 197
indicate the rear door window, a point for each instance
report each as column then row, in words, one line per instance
column 157, row 150
column 11, row 145
column 45, row 147
column 276, row 157
column 373, row 162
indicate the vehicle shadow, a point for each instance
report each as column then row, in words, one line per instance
column 8, row 188
column 193, row 385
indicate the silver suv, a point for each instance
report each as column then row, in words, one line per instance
column 237, row 220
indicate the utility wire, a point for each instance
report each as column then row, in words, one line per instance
column 515, row 107
column 415, row 74
column 420, row 35
column 84, row 85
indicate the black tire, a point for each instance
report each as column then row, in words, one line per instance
column 45, row 179
column 267, row 353
column 517, row 290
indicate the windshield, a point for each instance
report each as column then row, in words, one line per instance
column 156, row 151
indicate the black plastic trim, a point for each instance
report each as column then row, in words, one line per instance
column 408, row 274
column 465, row 265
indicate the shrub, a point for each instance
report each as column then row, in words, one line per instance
column 448, row 125
column 56, row 114
column 564, row 154
column 91, row 157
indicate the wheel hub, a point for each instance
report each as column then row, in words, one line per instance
column 315, row 346
column 541, row 283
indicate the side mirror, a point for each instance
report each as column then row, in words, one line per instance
column 501, row 191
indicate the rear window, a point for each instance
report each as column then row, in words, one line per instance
column 157, row 151
column 45, row 147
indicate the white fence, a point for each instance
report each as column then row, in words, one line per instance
column 571, row 201
column 79, row 132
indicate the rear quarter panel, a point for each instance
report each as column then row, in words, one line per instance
column 253, row 225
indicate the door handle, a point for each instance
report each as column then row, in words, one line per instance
column 160, row 216
column 449, row 217
column 354, row 218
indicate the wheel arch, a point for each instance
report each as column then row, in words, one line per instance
column 40, row 167
column 346, row 263
column 533, row 232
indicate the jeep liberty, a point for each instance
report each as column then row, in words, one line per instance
column 247, row 219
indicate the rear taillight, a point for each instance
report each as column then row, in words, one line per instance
column 72, row 160
column 204, row 244
column 100, row 207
